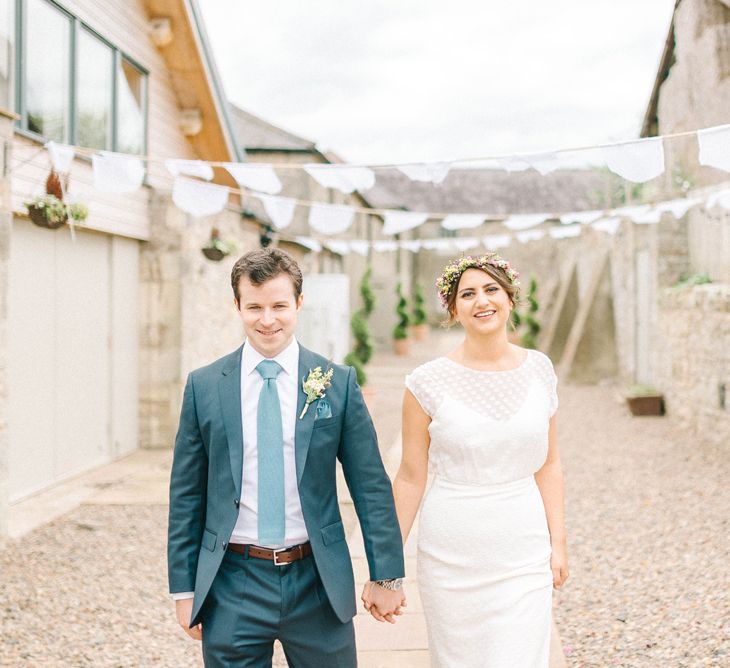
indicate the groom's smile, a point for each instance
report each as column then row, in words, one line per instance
column 269, row 313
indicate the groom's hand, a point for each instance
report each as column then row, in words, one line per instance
column 183, row 610
column 383, row 604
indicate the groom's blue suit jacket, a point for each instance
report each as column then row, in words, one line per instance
column 205, row 485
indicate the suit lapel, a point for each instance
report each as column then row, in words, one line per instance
column 303, row 431
column 229, row 390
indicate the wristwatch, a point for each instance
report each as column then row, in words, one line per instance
column 393, row 585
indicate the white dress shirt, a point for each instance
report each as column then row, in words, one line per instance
column 288, row 388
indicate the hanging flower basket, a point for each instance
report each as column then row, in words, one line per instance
column 50, row 212
column 216, row 249
column 40, row 217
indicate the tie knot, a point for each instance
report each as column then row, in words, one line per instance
column 268, row 369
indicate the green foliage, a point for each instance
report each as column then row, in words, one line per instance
column 363, row 350
column 56, row 211
column 419, row 313
column 686, row 280
column 401, row 329
column 642, row 391
column 351, row 359
column 529, row 338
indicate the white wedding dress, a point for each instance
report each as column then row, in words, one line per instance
column 483, row 543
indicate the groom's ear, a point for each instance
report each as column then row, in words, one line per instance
column 300, row 301
column 236, row 305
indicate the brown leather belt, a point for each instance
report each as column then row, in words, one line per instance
column 285, row 555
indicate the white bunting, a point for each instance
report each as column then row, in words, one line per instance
column 609, row 225
column 523, row 221
column 545, row 163
column 62, row 156
column 637, row 161
column 401, row 221
column 310, row 243
column 261, row 178
column 280, row 210
column 650, row 217
column 566, row 231
column 190, row 168
column 722, row 198
column 360, row 247
column 715, row 147
column 513, row 163
column 462, row 221
column 437, row 244
column 530, row 235
column 344, row 178
column 583, row 217
column 678, row 207
column 339, row 247
column 466, row 243
column 116, row 172
column 632, row 212
column 385, row 246
column 197, row 198
column 413, row 245
column 434, row 172
column 495, row 241
column 330, row 219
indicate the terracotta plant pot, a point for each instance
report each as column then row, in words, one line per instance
column 401, row 346
column 214, row 254
column 38, row 217
column 420, row 332
column 652, row 404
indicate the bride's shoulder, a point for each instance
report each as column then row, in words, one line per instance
column 429, row 368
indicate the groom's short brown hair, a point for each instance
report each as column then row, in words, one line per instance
column 264, row 264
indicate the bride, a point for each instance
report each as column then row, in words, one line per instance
column 491, row 540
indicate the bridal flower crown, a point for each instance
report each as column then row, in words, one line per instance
column 449, row 279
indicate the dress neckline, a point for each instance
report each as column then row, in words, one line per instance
column 468, row 368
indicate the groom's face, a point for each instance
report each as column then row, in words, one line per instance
column 269, row 313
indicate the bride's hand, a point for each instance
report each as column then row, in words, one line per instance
column 559, row 564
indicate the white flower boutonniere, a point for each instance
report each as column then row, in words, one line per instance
column 314, row 385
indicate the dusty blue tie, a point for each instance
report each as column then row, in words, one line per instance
column 270, row 445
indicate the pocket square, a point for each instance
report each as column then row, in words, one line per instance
column 323, row 410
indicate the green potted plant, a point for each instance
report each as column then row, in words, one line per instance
column 216, row 248
column 514, row 325
column 360, row 355
column 529, row 338
column 419, row 328
column 50, row 210
column 644, row 400
column 401, row 341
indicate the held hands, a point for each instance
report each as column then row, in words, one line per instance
column 559, row 564
column 183, row 610
column 381, row 603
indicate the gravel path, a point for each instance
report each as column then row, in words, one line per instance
column 648, row 511
column 648, row 518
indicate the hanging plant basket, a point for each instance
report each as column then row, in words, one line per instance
column 38, row 217
column 214, row 254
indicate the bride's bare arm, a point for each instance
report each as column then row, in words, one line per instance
column 550, row 482
column 410, row 482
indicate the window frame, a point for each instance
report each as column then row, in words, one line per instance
column 76, row 25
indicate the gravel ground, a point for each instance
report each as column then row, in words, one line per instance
column 648, row 522
column 648, row 510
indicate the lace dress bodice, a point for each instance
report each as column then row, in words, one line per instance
column 487, row 427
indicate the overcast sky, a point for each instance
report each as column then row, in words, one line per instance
column 399, row 80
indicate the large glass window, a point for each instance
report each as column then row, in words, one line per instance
column 47, row 60
column 7, row 51
column 73, row 86
column 131, row 84
column 94, row 88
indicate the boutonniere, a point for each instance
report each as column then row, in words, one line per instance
column 314, row 385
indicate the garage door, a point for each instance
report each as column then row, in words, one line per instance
column 72, row 340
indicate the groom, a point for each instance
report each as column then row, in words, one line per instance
column 256, row 544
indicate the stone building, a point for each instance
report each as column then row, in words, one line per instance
column 98, row 329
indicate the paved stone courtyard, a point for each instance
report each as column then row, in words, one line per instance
column 647, row 519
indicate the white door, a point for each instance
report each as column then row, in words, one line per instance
column 72, row 323
column 324, row 322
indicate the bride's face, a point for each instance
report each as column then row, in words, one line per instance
column 482, row 305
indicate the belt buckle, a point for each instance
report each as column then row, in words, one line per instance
column 277, row 553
